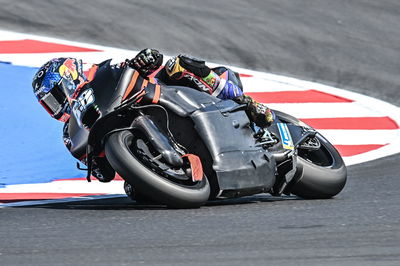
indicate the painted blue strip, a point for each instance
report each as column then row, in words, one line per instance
column 30, row 140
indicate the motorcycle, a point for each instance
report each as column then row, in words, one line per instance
column 192, row 147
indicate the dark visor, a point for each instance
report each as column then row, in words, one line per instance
column 53, row 101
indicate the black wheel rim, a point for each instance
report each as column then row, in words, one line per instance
column 142, row 149
column 321, row 157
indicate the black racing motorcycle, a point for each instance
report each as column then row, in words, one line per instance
column 192, row 147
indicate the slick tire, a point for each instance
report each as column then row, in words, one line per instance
column 156, row 187
column 320, row 182
column 316, row 180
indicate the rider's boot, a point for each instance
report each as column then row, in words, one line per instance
column 102, row 170
column 258, row 113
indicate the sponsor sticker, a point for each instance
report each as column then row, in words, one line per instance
column 287, row 141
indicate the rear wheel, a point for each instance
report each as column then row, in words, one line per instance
column 320, row 173
column 134, row 158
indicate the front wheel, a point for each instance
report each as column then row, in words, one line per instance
column 133, row 157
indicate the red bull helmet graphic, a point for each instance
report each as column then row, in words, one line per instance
column 55, row 83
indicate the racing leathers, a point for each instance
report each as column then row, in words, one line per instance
column 192, row 72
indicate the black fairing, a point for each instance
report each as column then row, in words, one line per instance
column 222, row 126
column 108, row 88
column 225, row 130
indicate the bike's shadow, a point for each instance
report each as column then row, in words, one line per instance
column 124, row 203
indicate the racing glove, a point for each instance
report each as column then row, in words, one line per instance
column 258, row 113
column 147, row 61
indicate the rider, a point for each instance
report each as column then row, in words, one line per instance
column 58, row 83
column 192, row 72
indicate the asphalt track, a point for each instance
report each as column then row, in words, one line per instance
column 348, row 44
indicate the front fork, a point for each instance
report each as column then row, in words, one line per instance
column 158, row 140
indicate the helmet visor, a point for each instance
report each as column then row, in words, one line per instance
column 54, row 101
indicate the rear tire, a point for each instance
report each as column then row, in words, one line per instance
column 320, row 174
column 151, row 184
column 320, row 181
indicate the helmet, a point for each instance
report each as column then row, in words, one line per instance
column 54, row 85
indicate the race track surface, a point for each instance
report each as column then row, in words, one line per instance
column 348, row 44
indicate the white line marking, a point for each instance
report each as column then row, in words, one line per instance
column 42, row 202
column 361, row 137
column 67, row 186
column 326, row 110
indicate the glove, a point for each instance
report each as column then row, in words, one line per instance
column 146, row 61
column 258, row 113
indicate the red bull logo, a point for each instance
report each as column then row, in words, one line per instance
column 69, row 69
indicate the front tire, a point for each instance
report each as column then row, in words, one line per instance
column 120, row 151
